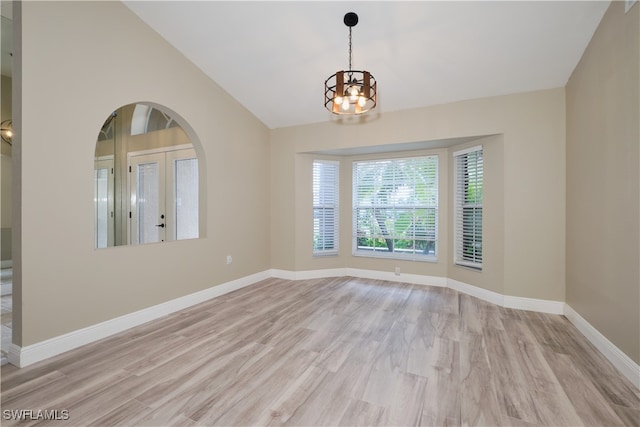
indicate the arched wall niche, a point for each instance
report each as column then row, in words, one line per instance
column 149, row 178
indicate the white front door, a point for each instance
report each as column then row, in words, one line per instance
column 147, row 186
column 164, row 196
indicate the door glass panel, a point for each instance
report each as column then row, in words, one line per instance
column 186, row 198
column 148, row 202
column 103, row 202
column 102, row 206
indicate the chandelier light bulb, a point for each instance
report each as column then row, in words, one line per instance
column 362, row 101
column 354, row 91
column 345, row 104
column 338, row 100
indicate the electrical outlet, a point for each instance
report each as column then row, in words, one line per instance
column 229, row 259
column 397, row 271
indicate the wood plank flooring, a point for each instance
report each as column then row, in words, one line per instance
column 341, row 351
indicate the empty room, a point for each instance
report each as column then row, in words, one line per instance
column 310, row 213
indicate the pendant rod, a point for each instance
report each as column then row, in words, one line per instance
column 350, row 48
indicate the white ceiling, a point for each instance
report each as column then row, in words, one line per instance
column 273, row 57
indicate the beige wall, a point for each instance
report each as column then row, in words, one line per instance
column 99, row 56
column 257, row 181
column 525, row 250
column 603, row 179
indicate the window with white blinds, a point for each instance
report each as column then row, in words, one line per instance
column 325, row 207
column 468, row 174
column 395, row 208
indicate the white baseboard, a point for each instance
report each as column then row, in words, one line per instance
column 283, row 274
column 414, row 279
column 621, row 361
column 543, row 306
column 531, row 304
column 13, row 355
column 508, row 301
column 24, row 356
column 475, row 291
column 308, row 274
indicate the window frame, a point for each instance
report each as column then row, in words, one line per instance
column 432, row 208
column 332, row 205
column 459, row 204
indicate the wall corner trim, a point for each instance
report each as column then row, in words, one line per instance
column 621, row 361
column 13, row 355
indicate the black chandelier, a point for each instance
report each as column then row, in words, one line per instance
column 353, row 91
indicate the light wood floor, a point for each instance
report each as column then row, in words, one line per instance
column 330, row 352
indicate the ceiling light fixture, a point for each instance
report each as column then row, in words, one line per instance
column 350, row 92
column 6, row 131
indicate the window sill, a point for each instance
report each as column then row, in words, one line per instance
column 469, row 266
column 325, row 254
column 399, row 257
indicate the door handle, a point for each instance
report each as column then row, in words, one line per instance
column 160, row 225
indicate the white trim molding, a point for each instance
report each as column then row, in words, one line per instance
column 521, row 303
column 24, row 356
column 475, row 291
column 309, row 274
column 617, row 357
column 508, row 301
column 416, row 279
column 532, row 304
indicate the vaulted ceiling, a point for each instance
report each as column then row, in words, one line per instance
column 273, row 57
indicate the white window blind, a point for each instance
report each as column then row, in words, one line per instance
column 468, row 186
column 325, row 207
column 395, row 208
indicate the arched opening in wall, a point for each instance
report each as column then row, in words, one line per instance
column 148, row 177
